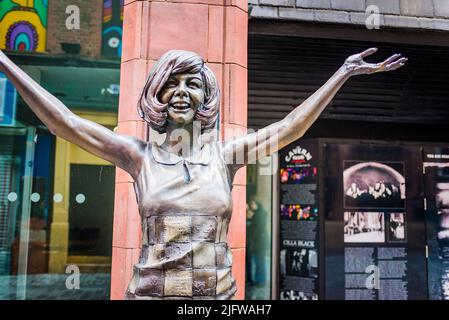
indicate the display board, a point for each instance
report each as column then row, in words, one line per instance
column 374, row 222
column 298, row 267
column 436, row 181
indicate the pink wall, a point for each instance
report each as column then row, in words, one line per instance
column 218, row 31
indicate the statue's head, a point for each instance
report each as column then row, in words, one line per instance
column 179, row 90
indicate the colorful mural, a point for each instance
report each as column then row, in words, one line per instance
column 23, row 25
column 112, row 28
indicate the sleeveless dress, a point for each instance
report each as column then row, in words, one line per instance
column 185, row 206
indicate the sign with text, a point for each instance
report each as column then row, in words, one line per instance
column 436, row 180
column 374, row 223
column 298, row 174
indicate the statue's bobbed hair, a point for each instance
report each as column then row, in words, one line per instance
column 174, row 62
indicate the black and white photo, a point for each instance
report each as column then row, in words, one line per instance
column 300, row 262
column 442, row 206
column 373, row 185
column 396, row 227
column 364, row 227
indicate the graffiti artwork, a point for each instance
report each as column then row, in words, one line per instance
column 112, row 28
column 24, row 25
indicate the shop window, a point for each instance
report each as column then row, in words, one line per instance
column 91, row 204
column 57, row 200
column 258, row 230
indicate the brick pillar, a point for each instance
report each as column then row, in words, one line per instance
column 217, row 30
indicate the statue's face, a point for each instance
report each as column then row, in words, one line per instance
column 183, row 93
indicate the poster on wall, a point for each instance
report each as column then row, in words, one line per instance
column 112, row 30
column 298, row 260
column 436, row 181
column 374, row 223
column 373, row 185
column 24, row 25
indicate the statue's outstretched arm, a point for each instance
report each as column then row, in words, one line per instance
column 270, row 139
column 123, row 151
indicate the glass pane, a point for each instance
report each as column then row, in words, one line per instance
column 12, row 168
column 258, row 230
column 91, row 204
column 57, row 200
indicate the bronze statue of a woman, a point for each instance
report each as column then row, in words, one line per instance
column 183, row 187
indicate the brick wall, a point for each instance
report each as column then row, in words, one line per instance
column 89, row 34
column 415, row 14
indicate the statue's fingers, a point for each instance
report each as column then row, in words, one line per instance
column 368, row 52
column 391, row 59
column 396, row 64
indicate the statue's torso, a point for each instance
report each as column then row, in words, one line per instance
column 184, row 227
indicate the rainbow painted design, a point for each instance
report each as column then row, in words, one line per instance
column 112, row 28
column 23, row 25
column 107, row 11
column 22, row 36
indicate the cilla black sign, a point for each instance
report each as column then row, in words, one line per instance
column 298, row 256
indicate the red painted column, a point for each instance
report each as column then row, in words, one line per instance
column 217, row 30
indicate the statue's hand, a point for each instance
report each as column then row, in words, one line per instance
column 355, row 65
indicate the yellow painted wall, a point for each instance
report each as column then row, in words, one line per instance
column 67, row 154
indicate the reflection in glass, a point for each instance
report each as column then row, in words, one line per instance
column 258, row 231
column 56, row 200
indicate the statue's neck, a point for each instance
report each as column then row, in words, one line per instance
column 182, row 140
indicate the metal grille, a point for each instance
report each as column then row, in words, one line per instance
column 284, row 71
